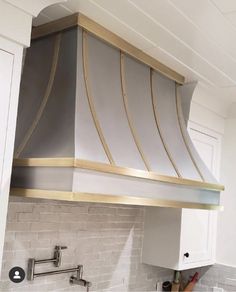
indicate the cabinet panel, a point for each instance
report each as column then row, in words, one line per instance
column 161, row 242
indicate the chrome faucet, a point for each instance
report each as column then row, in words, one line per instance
column 78, row 279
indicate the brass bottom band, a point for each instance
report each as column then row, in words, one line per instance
column 107, row 199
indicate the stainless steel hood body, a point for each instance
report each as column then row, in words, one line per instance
column 95, row 124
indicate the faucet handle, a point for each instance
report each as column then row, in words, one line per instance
column 60, row 247
column 63, row 247
column 57, row 255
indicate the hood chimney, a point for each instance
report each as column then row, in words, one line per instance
column 100, row 121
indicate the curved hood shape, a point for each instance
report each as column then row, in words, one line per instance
column 95, row 124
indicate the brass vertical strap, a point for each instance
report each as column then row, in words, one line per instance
column 154, row 101
column 90, row 99
column 183, row 133
column 128, row 115
column 43, row 104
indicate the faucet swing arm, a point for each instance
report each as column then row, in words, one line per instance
column 76, row 280
column 55, row 272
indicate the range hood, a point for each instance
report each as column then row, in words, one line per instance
column 100, row 121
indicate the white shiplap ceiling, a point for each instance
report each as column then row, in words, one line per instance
column 197, row 38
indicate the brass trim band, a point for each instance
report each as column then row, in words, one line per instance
column 154, row 102
column 90, row 98
column 125, row 101
column 106, row 198
column 179, row 112
column 107, row 36
column 43, row 104
column 113, row 169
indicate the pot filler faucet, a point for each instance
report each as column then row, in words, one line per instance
column 56, row 260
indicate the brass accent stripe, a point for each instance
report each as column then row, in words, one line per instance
column 111, row 199
column 179, row 112
column 107, row 36
column 45, row 98
column 128, row 115
column 90, row 99
column 113, row 169
column 154, row 105
column 44, row 162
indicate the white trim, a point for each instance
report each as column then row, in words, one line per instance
column 15, row 25
column 32, row 7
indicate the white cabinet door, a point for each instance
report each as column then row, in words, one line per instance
column 197, row 238
column 198, row 229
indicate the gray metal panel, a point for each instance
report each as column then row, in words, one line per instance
column 34, row 80
column 105, row 80
column 111, row 184
column 45, row 178
column 208, row 176
column 87, row 143
column 54, row 135
column 166, row 110
column 140, row 104
column 186, row 92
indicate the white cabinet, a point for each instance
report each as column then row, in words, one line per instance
column 10, row 72
column 181, row 239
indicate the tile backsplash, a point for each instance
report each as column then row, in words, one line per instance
column 106, row 239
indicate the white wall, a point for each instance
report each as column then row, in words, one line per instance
column 208, row 109
column 226, row 241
